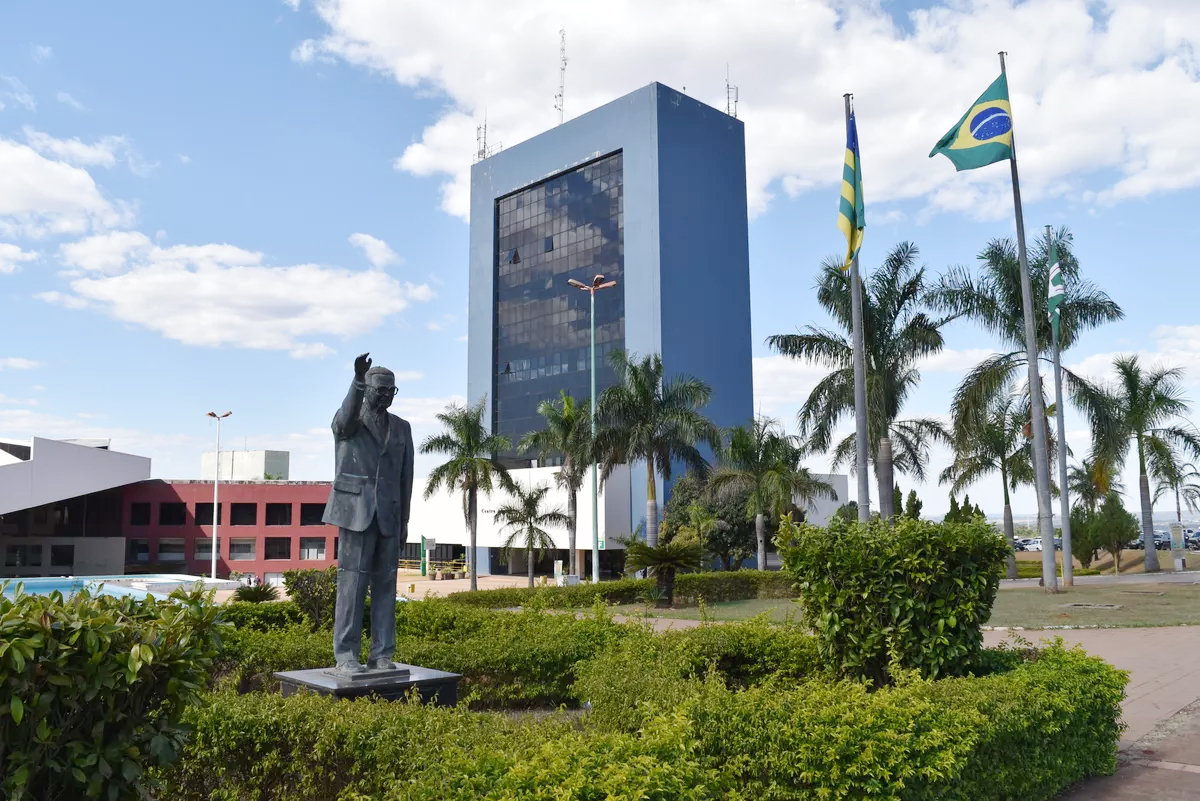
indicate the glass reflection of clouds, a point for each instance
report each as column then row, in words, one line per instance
column 568, row 226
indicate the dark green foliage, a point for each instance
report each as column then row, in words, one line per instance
column 898, row 500
column 1086, row 541
column 912, row 595
column 662, row 562
column 93, row 689
column 259, row 593
column 716, row 587
column 965, row 513
column 912, row 506
column 1115, row 528
column 262, row 617
column 315, row 592
column 1042, row 721
column 732, row 539
column 847, row 512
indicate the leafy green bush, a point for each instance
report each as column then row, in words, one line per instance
column 1027, row 568
column 315, row 592
column 93, row 689
column 1025, row 733
column 263, row 617
column 256, row 594
column 250, row 656
column 912, row 594
column 247, row 747
column 737, row 585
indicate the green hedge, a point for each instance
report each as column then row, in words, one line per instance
column 92, row 689
column 715, row 587
column 263, row 616
column 909, row 594
column 1027, row 568
column 1027, row 733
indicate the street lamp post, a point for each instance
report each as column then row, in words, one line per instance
column 216, row 485
column 597, row 283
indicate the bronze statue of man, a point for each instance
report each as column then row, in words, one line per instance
column 370, row 503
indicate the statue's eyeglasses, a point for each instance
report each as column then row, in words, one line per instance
column 391, row 391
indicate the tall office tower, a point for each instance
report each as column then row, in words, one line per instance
column 649, row 190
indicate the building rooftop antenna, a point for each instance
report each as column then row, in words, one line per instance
column 562, row 73
column 482, row 149
column 731, row 95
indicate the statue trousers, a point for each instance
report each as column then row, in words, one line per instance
column 366, row 560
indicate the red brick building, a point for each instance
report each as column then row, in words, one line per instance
column 264, row 527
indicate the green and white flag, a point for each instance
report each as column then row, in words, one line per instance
column 1057, row 291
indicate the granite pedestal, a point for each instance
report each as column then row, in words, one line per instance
column 435, row 686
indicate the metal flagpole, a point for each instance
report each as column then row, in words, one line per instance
column 216, row 487
column 1041, row 463
column 595, row 484
column 860, row 381
column 1068, row 568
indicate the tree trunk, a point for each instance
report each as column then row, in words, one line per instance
column 1008, row 535
column 1178, row 508
column 760, row 532
column 666, row 587
column 574, row 556
column 887, row 486
column 651, row 506
column 473, row 516
column 529, row 565
column 1148, row 525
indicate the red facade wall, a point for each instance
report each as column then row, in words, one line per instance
column 157, row 492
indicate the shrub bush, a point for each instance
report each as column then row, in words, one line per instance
column 92, row 689
column 263, row 617
column 256, row 594
column 737, row 585
column 250, row 656
column 315, row 592
column 1026, row 733
column 910, row 594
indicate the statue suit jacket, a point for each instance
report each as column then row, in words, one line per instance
column 374, row 470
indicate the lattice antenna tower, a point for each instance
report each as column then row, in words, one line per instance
column 562, row 73
column 731, row 95
column 482, row 149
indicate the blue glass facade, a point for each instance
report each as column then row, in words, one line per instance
column 568, row 226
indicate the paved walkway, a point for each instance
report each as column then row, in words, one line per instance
column 1164, row 577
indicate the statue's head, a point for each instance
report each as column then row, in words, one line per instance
column 381, row 388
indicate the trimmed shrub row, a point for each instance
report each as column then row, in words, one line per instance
column 1027, row 733
column 263, row 616
column 736, row 585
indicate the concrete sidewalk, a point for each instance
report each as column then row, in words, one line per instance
column 1164, row 577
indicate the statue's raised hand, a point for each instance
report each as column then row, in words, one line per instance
column 361, row 365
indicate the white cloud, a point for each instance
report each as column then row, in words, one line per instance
column 294, row 5
column 409, row 375
column 782, row 384
column 16, row 363
column 17, row 92
column 378, row 252
column 184, row 158
column 12, row 256
column 949, row 360
column 1174, row 346
column 73, row 151
column 221, row 295
column 1087, row 87
column 4, row 399
column 66, row 99
column 42, row 52
column 41, row 196
column 440, row 323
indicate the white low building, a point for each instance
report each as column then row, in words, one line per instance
column 61, row 506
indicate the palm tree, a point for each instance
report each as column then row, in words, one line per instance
column 1143, row 406
column 897, row 335
column 700, row 523
column 645, row 417
column 1091, row 480
column 662, row 562
column 568, row 434
column 763, row 461
column 993, row 300
column 525, row 523
column 999, row 445
column 472, row 467
column 1180, row 479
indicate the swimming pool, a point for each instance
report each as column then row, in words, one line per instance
column 135, row 586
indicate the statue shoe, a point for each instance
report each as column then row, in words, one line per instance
column 350, row 668
column 382, row 664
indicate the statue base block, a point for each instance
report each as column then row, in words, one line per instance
column 435, row 686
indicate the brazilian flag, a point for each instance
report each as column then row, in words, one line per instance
column 984, row 134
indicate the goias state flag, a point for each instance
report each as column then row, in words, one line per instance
column 984, row 134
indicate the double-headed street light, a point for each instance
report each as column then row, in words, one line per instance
column 598, row 283
column 216, row 485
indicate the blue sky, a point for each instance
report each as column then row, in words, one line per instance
column 185, row 190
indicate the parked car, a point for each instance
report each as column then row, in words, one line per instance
column 1035, row 544
column 1019, row 545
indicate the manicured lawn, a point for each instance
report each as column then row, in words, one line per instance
column 1140, row 605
